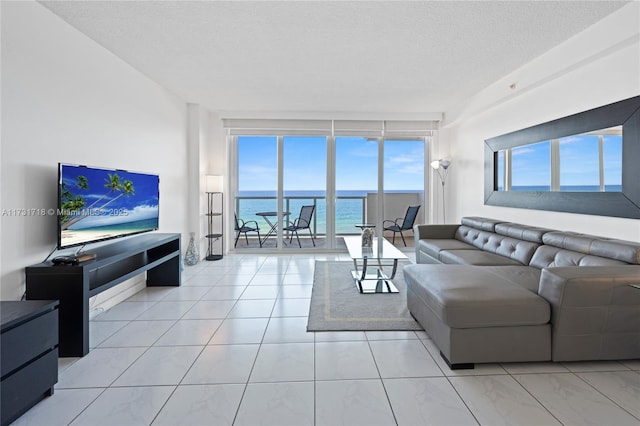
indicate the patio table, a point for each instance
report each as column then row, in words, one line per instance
column 273, row 226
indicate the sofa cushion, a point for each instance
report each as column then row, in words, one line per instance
column 433, row 247
column 548, row 256
column 625, row 251
column 474, row 257
column 522, row 232
column 512, row 248
column 472, row 297
column 524, row 276
column 472, row 236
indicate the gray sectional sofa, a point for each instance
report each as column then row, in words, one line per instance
column 491, row 291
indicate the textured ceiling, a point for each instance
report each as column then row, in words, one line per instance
column 329, row 56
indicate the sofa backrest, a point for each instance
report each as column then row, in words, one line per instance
column 513, row 248
column 545, row 248
column 522, row 232
column 481, row 223
column 574, row 249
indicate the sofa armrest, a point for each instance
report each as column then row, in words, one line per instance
column 594, row 311
column 435, row 231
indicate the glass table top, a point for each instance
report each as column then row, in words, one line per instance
column 386, row 250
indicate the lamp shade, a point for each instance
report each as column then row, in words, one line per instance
column 214, row 183
column 436, row 164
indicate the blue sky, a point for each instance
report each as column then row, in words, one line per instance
column 357, row 159
column 579, row 162
column 305, row 164
column 530, row 164
column 143, row 204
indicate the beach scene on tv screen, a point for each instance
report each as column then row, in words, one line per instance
column 98, row 204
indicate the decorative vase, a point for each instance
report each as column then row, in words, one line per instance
column 192, row 256
column 367, row 237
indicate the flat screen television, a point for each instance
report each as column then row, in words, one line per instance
column 97, row 204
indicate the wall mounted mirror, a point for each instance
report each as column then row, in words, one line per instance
column 585, row 163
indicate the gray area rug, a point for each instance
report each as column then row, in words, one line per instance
column 336, row 304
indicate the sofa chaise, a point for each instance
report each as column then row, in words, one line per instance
column 492, row 291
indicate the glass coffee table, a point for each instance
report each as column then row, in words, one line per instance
column 369, row 275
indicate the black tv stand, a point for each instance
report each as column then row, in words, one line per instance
column 73, row 284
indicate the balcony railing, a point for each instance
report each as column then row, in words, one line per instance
column 346, row 215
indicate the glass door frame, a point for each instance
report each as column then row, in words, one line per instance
column 330, row 192
column 380, row 200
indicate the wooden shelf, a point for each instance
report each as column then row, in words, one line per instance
column 213, row 235
column 156, row 254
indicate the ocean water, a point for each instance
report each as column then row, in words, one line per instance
column 569, row 188
column 79, row 236
column 122, row 227
column 349, row 207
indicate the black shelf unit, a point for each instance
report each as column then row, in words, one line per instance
column 212, row 235
column 156, row 254
column 29, row 355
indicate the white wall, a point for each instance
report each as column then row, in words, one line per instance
column 599, row 66
column 197, row 142
column 67, row 99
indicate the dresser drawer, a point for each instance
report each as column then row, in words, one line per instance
column 25, row 387
column 28, row 340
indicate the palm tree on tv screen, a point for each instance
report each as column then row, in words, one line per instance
column 76, row 203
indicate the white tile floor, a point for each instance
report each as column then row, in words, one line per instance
column 230, row 347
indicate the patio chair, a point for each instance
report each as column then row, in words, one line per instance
column 242, row 227
column 302, row 222
column 405, row 225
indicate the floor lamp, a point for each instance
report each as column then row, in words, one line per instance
column 442, row 168
column 214, row 189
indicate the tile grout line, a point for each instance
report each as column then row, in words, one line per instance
column 602, row 393
column 536, row 399
column 384, row 388
column 261, row 343
column 246, row 385
column 449, row 381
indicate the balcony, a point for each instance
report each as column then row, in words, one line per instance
column 350, row 210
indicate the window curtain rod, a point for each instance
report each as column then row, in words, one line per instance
column 368, row 128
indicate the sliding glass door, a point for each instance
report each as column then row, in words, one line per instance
column 339, row 177
column 366, row 166
column 257, row 191
column 304, row 171
column 404, row 169
column 356, row 183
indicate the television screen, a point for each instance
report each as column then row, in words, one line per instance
column 96, row 204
